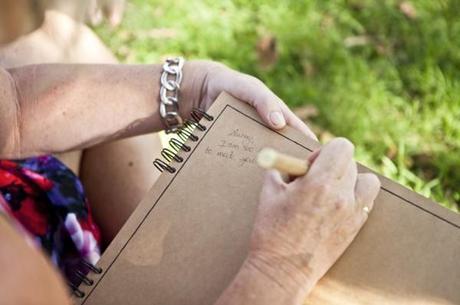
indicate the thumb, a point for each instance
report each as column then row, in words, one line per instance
column 256, row 93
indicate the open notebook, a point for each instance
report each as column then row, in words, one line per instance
column 187, row 239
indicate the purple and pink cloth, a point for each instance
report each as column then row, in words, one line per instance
column 49, row 205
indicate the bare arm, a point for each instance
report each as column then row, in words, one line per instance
column 53, row 108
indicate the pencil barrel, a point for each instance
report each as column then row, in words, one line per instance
column 271, row 159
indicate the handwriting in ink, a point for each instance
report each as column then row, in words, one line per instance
column 237, row 147
column 237, row 133
column 208, row 151
column 246, row 160
column 248, row 148
column 228, row 144
column 225, row 155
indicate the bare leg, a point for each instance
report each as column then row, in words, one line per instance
column 60, row 39
column 115, row 175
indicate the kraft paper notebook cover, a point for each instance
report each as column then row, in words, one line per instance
column 187, row 239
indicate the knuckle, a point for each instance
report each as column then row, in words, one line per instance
column 373, row 180
column 341, row 203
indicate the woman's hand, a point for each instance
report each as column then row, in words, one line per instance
column 205, row 80
column 304, row 226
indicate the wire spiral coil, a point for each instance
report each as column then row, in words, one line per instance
column 178, row 144
column 168, row 154
column 82, row 276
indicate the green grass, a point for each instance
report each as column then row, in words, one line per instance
column 395, row 93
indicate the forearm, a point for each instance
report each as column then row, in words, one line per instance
column 256, row 284
column 65, row 107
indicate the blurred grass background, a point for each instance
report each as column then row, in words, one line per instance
column 383, row 73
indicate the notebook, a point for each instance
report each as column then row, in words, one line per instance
column 187, row 239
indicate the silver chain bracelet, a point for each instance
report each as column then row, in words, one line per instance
column 169, row 93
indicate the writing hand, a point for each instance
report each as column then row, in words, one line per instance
column 303, row 227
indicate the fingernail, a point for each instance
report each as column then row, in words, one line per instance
column 277, row 119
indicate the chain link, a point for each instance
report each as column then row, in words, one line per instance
column 170, row 80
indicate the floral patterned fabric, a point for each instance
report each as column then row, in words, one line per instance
column 48, row 202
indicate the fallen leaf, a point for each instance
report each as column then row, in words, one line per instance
column 426, row 163
column 327, row 22
column 267, row 51
column 305, row 112
column 392, row 152
column 408, row 9
column 383, row 49
column 354, row 41
column 126, row 35
column 309, row 69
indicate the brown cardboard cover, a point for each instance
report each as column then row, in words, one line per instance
column 187, row 239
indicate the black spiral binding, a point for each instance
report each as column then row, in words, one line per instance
column 81, row 275
column 178, row 144
column 169, row 154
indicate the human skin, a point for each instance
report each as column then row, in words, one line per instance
column 302, row 228
column 28, row 277
column 55, row 108
column 61, row 39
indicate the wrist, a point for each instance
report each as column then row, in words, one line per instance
column 198, row 75
column 190, row 94
column 286, row 274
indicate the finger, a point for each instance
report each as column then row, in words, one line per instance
column 311, row 158
column 254, row 92
column 273, row 182
column 348, row 180
column 366, row 190
column 270, row 107
column 294, row 121
column 332, row 161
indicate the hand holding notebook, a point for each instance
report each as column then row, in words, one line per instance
column 208, row 79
